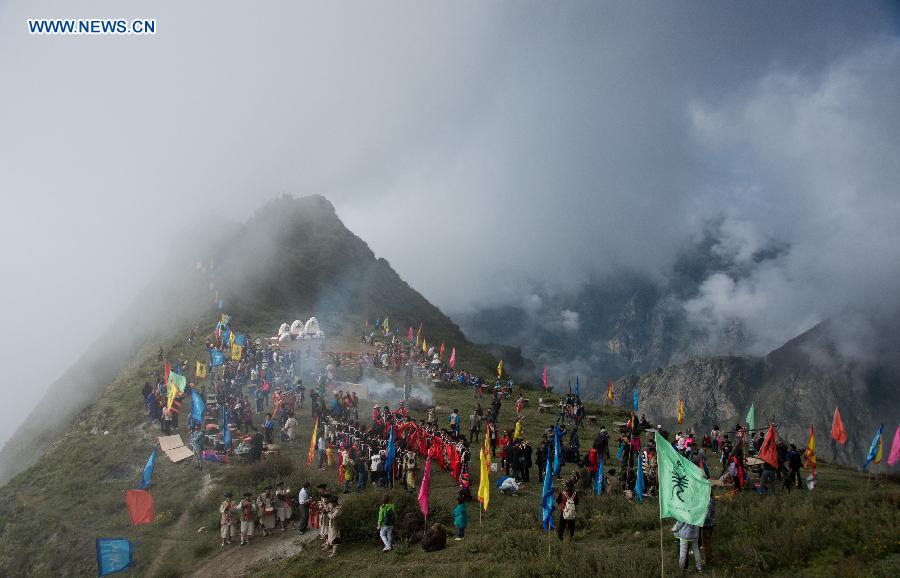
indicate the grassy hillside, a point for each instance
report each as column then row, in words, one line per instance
column 846, row 527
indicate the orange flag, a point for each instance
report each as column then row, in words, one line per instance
column 312, row 444
column 680, row 411
column 838, row 433
column 768, row 452
column 609, row 390
column 140, row 506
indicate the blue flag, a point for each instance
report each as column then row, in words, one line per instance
column 226, row 433
column 635, row 399
column 558, row 458
column 113, row 555
column 391, row 454
column 198, row 406
column 148, row 470
column 873, row 451
column 598, row 482
column 547, row 497
column 216, row 358
column 639, row 485
column 577, row 388
column 240, row 339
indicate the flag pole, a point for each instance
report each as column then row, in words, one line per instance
column 662, row 564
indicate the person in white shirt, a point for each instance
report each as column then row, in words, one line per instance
column 303, row 506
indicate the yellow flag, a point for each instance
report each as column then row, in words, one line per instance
column 202, row 370
column 424, row 346
column 386, row 326
column 500, row 369
column 680, row 411
column 518, row 431
column 484, row 483
column 173, row 391
column 879, row 455
column 312, row 444
column 236, row 351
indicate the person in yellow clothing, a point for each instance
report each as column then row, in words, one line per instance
column 329, row 455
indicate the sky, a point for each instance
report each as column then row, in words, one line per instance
column 478, row 146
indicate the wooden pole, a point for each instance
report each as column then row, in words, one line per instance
column 662, row 564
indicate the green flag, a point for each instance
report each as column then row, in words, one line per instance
column 178, row 381
column 683, row 488
column 751, row 417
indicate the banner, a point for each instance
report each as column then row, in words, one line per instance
column 148, row 470
column 216, row 358
column 178, row 381
column 170, row 398
column 198, row 406
column 202, row 371
column 113, row 555
column 425, row 488
column 683, row 488
column 140, row 506
column 236, row 351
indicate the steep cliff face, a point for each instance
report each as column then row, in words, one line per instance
column 796, row 385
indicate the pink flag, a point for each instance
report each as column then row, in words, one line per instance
column 453, row 358
column 545, row 377
column 424, row 488
column 895, row 448
column 409, row 333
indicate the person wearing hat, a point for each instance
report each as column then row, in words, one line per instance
column 333, row 512
column 283, row 505
column 265, row 504
column 248, row 517
column 229, row 517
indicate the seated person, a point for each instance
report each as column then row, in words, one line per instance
column 435, row 539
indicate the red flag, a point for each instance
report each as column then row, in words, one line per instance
column 442, row 349
column 166, row 369
column 838, row 433
column 425, row 488
column 140, row 506
column 768, row 452
column 545, row 377
column 452, row 358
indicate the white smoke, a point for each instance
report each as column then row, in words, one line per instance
column 387, row 391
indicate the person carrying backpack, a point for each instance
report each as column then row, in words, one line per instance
column 387, row 517
column 567, row 501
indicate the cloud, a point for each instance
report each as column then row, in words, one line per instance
column 818, row 154
column 483, row 148
column 569, row 320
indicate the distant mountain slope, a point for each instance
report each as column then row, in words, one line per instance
column 797, row 384
column 292, row 259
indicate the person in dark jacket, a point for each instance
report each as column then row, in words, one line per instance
column 601, row 442
column 435, row 539
column 794, row 464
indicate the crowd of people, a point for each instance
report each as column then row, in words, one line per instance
column 389, row 452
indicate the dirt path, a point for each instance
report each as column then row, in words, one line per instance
column 234, row 560
column 168, row 543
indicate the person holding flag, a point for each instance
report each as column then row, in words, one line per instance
column 684, row 494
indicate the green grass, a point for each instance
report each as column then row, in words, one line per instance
column 50, row 515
